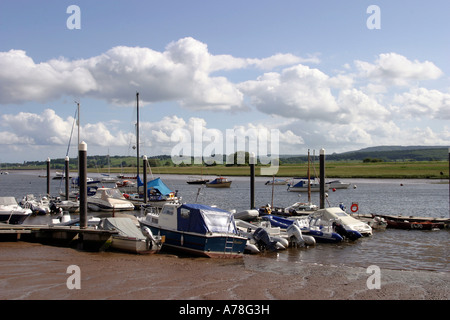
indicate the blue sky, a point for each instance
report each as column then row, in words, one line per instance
column 312, row 70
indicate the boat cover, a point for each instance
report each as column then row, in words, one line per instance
column 8, row 201
column 336, row 213
column 203, row 219
column 300, row 184
column 159, row 185
column 125, row 226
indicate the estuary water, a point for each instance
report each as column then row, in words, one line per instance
column 389, row 249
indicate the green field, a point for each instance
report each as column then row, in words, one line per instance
column 412, row 170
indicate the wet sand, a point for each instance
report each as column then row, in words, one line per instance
column 30, row 271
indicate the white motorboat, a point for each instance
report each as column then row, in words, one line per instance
column 38, row 206
column 246, row 215
column 130, row 238
column 302, row 186
column 11, row 212
column 109, row 199
column 337, row 184
column 337, row 216
column 67, row 205
column 300, row 208
column 262, row 235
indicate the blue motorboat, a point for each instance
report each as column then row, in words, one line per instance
column 197, row 229
column 324, row 235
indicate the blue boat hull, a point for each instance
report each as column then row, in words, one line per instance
column 324, row 237
column 207, row 245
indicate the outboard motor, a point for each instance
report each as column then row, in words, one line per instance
column 349, row 234
column 263, row 240
column 148, row 233
column 55, row 209
column 294, row 232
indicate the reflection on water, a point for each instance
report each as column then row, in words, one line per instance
column 393, row 249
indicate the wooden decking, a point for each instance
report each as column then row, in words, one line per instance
column 89, row 238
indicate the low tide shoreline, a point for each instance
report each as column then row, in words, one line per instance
column 31, row 271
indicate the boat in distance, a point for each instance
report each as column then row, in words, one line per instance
column 196, row 229
column 302, row 186
column 219, row 182
column 197, row 180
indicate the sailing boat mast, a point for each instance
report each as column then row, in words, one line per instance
column 137, row 140
column 78, row 122
column 309, row 182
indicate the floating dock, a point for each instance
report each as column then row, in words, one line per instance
column 90, row 238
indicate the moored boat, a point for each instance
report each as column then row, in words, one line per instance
column 197, row 229
column 302, row 186
column 338, row 216
column 109, row 199
column 413, row 223
column 219, row 182
column 11, row 212
column 130, row 238
column 337, row 184
column 197, row 180
column 321, row 233
column 276, row 182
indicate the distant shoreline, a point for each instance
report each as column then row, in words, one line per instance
column 437, row 170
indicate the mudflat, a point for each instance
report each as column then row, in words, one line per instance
column 31, row 271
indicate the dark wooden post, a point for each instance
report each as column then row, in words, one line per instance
column 82, row 180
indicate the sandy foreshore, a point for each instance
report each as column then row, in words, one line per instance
column 30, row 271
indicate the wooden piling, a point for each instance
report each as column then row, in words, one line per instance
column 48, row 177
column 252, row 180
column 82, row 180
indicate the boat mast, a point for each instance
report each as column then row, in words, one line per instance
column 78, row 122
column 137, row 140
column 309, row 182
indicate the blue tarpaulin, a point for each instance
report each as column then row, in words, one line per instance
column 158, row 185
column 203, row 219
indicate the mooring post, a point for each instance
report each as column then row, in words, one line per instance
column 252, row 180
column 82, row 180
column 48, row 177
column 66, row 176
column 145, row 178
column 322, row 178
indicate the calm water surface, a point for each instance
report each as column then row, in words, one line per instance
column 392, row 249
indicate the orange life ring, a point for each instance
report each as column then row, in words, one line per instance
column 354, row 207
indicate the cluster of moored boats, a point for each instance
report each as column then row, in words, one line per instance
column 164, row 221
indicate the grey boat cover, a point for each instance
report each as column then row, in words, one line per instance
column 125, row 226
column 8, row 201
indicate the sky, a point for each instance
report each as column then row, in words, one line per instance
column 338, row 75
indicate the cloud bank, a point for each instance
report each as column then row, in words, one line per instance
column 360, row 105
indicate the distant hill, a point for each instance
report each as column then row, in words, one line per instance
column 384, row 153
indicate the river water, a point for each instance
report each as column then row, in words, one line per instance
column 390, row 249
